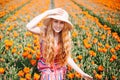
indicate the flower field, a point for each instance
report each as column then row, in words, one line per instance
column 96, row 38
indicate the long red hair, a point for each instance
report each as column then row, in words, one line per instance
column 64, row 46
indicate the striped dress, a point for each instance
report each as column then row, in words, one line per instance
column 50, row 73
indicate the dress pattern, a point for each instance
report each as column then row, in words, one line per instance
column 48, row 72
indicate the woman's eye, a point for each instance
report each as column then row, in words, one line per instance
column 61, row 22
column 56, row 21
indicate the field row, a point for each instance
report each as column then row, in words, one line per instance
column 8, row 6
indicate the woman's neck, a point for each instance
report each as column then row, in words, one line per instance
column 56, row 36
column 56, row 42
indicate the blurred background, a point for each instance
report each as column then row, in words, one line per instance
column 96, row 38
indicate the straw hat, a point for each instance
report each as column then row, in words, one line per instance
column 63, row 17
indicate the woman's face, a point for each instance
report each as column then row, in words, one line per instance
column 57, row 25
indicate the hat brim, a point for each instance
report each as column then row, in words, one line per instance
column 57, row 17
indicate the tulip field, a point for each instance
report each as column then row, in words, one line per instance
column 95, row 38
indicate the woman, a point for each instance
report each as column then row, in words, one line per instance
column 55, row 42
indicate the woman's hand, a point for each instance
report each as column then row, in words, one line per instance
column 87, row 77
column 74, row 66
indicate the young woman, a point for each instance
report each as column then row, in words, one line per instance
column 55, row 44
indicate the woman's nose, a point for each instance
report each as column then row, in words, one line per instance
column 58, row 24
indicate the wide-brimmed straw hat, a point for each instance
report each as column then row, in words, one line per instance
column 63, row 17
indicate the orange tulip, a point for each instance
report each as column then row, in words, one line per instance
column 98, row 76
column 79, row 57
column 28, row 76
column 96, row 33
column 109, row 32
column 113, row 77
column 37, row 57
column 111, row 60
column 114, row 57
column 75, row 59
column 20, row 46
column 40, row 24
column 1, row 37
column 32, row 51
column 107, row 46
column 92, row 53
column 26, row 69
column 74, row 34
column 36, row 76
column 29, row 45
column 28, row 34
column 87, row 45
column 93, row 62
column 10, row 28
column 115, row 35
column 29, row 56
column 100, row 49
column 104, row 50
column 8, row 43
column 14, row 50
column 27, row 49
column 33, row 62
column 70, row 75
column 2, row 70
column 112, row 50
column 78, row 75
column 94, row 72
column 99, row 44
column 103, row 37
column 20, row 73
column 15, row 34
column 25, row 54
column 95, row 40
column 69, row 67
column 22, row 79
column 116, row 48
column 100, row 68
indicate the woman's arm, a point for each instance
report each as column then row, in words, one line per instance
column 31, row 26
column 76, row 68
